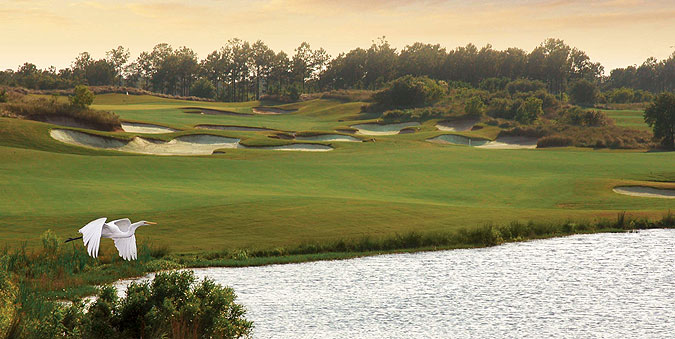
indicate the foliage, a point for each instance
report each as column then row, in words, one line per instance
column 529, row 111
column 82, row 97
column 524, row 86
column 660, row 116
column 3, row 96
column 474, row 107
column 410, row 92
column 42, row 109
column 625, row 95
column 554, row 141
column 203, row 88
column 583, row 92
column 580, row 117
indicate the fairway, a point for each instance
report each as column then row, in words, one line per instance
column 261, row 198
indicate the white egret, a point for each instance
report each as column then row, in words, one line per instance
column 121, row 231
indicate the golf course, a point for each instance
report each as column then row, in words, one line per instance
column 259, row 184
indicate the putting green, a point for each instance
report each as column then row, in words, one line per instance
column 257, row 198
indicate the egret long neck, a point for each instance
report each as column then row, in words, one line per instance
column 134, row 226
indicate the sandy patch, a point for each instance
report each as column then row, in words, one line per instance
column 458, row 140
column 646, row 192
column 377, row 129
column 133, row 127
column 200, row 144
column 511, row 143
column 234, row 128
column 330, row 137
column 457, row 126
column 270, row 110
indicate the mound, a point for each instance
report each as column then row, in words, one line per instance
column 457, row 126
column 234, row 128
column 377, row 129
column 198, row 144
column 271, row 110
column 646, row 192
column 64, row 120
column 132, row 127
column 330, row 137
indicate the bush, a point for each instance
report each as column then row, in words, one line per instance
column 203, row 88
column 410, row 92
column 555, row 141
column 474, row 106
column 500, row 108
column 493, row 84
column 583, row 92
column 660, row 116
column 3, row 96
column 82, row 97
column 524, row 86
column 42, row 109
column 529, row 111
column 579, row 117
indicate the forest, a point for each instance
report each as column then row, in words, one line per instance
column 242, row 71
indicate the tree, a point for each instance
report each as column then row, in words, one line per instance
column 474, row 106
column 409, row 92
column 530, row 110
column 660, row 116
column 203, row 88
column 82, row 97
column 583, row 93
column 118, row 57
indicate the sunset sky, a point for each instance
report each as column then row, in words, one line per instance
column 616, row 33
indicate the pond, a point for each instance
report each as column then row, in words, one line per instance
column 600, row 285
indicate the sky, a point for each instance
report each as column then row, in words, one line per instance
column 616, row 33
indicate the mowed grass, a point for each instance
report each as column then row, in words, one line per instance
column 263, row 199
column 628, row 118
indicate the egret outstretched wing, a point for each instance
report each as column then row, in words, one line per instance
column 123, row 224
column 126, row 247
column 91, row 235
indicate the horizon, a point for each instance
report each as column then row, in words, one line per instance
column 603, row 29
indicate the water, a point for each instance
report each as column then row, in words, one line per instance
column 602, row 285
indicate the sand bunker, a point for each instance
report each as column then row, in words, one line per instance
column 210, row 111
column 500, row 143
column 377, row 129
column 511, row 143
column 199, row 144
column 234, row 128
column 270, row 110
column 646, row 192
column 457, row 126
column 330, row 137
column 298, row 147
column 133, row 127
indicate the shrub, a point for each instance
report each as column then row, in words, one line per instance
column 500, row 108
column 3, row 96
column 529, row 111
column 583, row 92
column 555, row 141
column 410, row 92
column 493, row 84
column 660, row 116
column 42, row 109
column 203, row 88
column 524, row 86
column 82, row 97
column 579, row 117
column 474, row 106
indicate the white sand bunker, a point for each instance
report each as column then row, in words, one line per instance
column 646, row 192
column 458, row 140
column 377, row 129
column 330, row 137
column 199, row 144
column 234, row 128
column 457, row 126
column 298, row 147
column 270, row 110
column 210, row 111
column 511, row 143
column 133, row 127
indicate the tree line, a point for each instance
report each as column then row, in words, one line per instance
column 241, row 70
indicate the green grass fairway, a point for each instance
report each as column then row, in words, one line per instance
column 248, row 198
column 628, row 118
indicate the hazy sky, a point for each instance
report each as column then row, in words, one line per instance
column 616, row 33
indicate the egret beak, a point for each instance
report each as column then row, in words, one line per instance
column 151, row 223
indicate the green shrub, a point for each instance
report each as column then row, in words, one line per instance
column 474, row 107
column 82, row 97
column 583, row 92
column 524, row 86
column 530, row 110
column 500, row 108
column 42, row 109
column 579, row 117
column 203, row 88
column 660, row 116
column 3, row 96
column 410, row 92
column 555, row 141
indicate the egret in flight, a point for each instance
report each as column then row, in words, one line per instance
column 121, row 231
